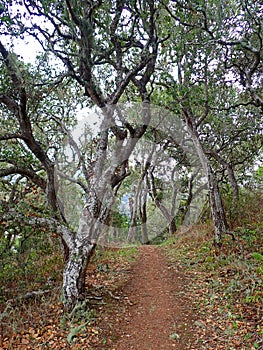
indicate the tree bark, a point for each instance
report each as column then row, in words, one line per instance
column 172, row 226
column 143, row 216
column 216, row 204
column 107, row 174
column 217, row 208
column 184, row 212
column 75, row 272
column 99, row 202
column 81, row 247
column 138, row 204
column 230, row 172
column 169, row 215
column 132, row 233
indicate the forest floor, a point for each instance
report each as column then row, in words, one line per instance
column 176, row 296
column 154, row 313
column 138, row 303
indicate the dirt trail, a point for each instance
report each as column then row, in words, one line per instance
column 158, row 316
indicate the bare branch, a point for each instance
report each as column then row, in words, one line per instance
column 72, row 180
column 29, row 173
column 63, row 231
column 11, row 136
column 10, row 104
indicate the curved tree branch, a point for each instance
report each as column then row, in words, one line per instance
column 29, row 173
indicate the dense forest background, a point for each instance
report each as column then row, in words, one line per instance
column 125, row 122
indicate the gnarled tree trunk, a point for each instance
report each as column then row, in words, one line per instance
column 74, row 274
column 106, row 178
column 81, row 246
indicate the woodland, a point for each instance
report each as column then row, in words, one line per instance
column 129, row 126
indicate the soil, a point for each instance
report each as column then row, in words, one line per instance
column 161, row 299
column 153, row 312
column 141, row 305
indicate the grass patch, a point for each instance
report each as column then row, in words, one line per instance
column 129, row 254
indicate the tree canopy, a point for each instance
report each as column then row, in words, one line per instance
column 183, row 76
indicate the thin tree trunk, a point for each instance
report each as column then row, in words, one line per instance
column 230, row 172
column 216, row 204
column 172, row 226
column 186, row 208
column 169, row 216
column 217, row 208
column 143, row 216
column 132, row 233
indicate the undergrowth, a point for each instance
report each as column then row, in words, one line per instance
column 41, row 322
column 227, row 289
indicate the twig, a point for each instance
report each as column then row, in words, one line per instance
column 107, row 291
column 29, row 295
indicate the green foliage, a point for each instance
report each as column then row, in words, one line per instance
column 204, row 50
column 174, row 336
column 159, row 239
column 258, row 257
column 120, row 220
column 246, row 209
column 74, row 331
column 258, row 177
column 28, row 263
column 78, row 321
